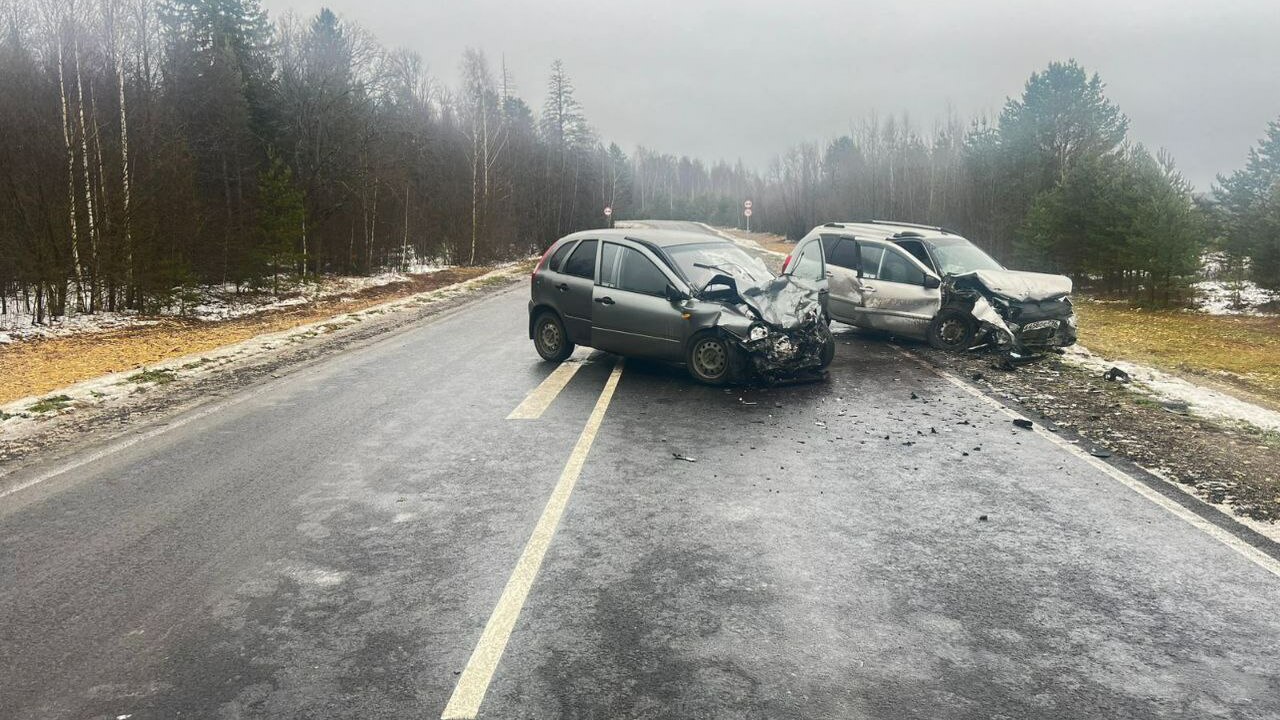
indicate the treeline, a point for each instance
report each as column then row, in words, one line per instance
column 147, row 146
column 1053, row 183
column 150, row 145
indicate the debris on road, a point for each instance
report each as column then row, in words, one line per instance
column 686, row 458
column 1115, row 374
column 1023, row 423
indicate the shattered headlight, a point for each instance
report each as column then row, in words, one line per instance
column 758, row 332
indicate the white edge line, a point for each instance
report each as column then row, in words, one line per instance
column 1249, row 552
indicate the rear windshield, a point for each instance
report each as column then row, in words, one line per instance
column 719, row 257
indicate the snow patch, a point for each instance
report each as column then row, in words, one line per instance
column 1223, row 297
column 1202, row 401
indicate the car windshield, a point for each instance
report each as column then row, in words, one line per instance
column 957, row 256
column 701, row 261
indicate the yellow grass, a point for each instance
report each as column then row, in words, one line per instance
column 1242, row 353
column 39, row 366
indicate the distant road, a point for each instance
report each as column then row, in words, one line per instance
column 881, row 545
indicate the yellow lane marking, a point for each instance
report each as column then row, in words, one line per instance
column 1249, row 552
column 464, row 704
column 540, row 399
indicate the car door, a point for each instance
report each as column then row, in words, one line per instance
column 631, row 313
column 573, row 287
column 808, row 264
column 844, row 299
column 898, row 299
column 868, row 271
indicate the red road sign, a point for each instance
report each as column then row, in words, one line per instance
column 747, row 204
column 747, row 212
column 608, row 211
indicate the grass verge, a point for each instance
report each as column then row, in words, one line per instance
column 39, row 366
column 1241, row 353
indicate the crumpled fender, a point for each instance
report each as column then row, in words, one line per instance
column 986, row 315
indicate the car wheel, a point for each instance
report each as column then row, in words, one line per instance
column 828, row 352
column 710, row 359
column 952, row 329
column 550, row 338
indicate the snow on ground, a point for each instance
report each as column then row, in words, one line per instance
column 1222, row 297
column 212, row 303
column 1165, row 387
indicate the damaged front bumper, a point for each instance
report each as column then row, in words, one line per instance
column 777, row 354
column 1027, row 327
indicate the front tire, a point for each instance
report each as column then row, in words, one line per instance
column 710, row 359
column 952, row 329
column 550, row 339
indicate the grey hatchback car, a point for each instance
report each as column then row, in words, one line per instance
column 678, row 297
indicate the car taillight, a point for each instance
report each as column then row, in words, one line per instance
column 542, row 261
column 786, row 262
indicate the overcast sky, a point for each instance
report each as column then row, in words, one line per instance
column 736, row 79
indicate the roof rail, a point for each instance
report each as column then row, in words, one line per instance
column 912, row 225
column 833, row 224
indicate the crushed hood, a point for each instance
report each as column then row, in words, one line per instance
column 782, row 301
column 1022, row 286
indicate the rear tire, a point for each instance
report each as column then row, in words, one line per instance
column 952, row 329
column 710, row 358
column 550, row 339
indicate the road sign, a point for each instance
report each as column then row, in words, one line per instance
column 747, row 204
column 608, row 211
column 747, row 212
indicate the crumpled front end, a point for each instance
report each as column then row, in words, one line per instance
column 1036, row 314
column 779, row 327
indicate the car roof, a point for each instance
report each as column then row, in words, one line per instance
column 653, row 236
column 891, row 230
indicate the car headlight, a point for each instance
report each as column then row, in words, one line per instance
column 757, row 332
column 1072, row 322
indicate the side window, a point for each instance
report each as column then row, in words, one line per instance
column 829, row 245
column 845, row 253
column 558, row 257
column 809, row 264
column 871, row 255
column 897, row 268
column 608, row 264
column 638, row 274
column 583, row 260
column 916, row 248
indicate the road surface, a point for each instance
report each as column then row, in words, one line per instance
column 335, row 543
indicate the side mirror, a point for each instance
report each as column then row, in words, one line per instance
column 675, row 295
column 931, row 282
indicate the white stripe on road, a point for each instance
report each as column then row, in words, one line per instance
column 1251, row 553
column 542, row 396
column 464, row 704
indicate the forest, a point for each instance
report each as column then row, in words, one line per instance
column 152, row 146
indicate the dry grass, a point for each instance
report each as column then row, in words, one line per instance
column 38, row 366
column 1240, row 353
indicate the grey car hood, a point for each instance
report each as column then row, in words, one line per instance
column 1022, row 286
column 783, row 301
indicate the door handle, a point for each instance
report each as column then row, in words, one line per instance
column 867, row 289
column 830, row 274
column 606, row 300
column 563, row 287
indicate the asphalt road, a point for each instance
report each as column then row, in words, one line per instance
column 333, row 545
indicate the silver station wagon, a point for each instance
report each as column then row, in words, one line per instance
column 929, row 283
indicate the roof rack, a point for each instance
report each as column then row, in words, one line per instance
column 912, row 225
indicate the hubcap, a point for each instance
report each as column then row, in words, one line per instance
column 709, row 357
column 549, row 334
column 952, row 331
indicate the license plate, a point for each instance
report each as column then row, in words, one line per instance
column 1041, row 325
